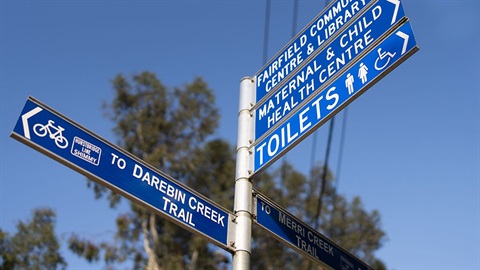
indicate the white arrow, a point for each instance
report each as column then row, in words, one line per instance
column 405, row 42
column 397, row 6
column 26, row 129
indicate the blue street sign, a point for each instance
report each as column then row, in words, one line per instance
column 362, row 34
column 312, row 37
column 392, row 51
column 58, row 137
column 301, row 237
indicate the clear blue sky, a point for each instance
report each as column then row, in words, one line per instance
column 412, row 145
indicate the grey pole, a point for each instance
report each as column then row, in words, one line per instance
column 243, row 185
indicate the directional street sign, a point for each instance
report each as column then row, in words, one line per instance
column 296, row 234
column 312, row 37
column 364, row 32
column 58, row 137
column 380, row 60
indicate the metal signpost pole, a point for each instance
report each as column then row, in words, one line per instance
column 243, row 186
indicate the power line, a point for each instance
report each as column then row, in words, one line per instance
column 295, row 17
column 325, row 166
column 332, row 121
column 324, row 173
column 266, row 31
column 340, row 155
column 294, row 32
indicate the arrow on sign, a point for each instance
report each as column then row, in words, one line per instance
column 405, row 40
column 26, row 128
column 397, row 6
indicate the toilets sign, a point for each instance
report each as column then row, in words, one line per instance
column 58, row 137
column 378, row 62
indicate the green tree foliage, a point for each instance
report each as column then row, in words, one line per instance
column 171, row 129
column 34, row 245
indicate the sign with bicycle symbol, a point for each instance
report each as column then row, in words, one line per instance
column 54, row 132
column 60, row 138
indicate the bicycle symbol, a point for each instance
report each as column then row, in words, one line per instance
column 55, row 133
column 381, row 56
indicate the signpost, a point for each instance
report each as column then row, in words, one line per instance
column 380, row 60
column 301, row 237
column 58, row 137
column 339, row 55
column 364, row 32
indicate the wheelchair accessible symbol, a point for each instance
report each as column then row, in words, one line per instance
column 383, row 59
